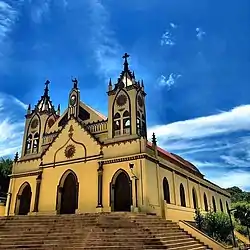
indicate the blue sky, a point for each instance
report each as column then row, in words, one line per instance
column 194, row 57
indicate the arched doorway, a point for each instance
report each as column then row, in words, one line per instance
column 121, row 192
column 23, row 199
column 67, row 201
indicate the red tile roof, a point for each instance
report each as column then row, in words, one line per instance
column 176, row 158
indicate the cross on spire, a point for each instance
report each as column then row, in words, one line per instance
column 125, row 57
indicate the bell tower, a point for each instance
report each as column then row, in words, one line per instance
column 126, row 105
column 74, row 100
column 38, row 122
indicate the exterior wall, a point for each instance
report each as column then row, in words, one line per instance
column 86, row 176
column 2, row 209
column 174, row 211
column 16, row 184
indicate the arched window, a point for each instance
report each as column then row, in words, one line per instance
column 126, row 122
column 182, row 196
column 35, row 143
column 143, row 125
column 117, row 124
column 138, row 122
column 195, row 200
column 166, row 192
column 221, row 206
column 214, row 204
column 28, row 144
column 205, row 202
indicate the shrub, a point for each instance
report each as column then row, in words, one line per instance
column 217, row 225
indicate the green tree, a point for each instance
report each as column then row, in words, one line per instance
column 242, row 214
column 238, row 195
column 5, row 170
column 217, row 225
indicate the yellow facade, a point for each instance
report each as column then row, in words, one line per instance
column 82, row 161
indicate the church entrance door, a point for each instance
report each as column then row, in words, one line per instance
column 25, row 199
column 69, row 195
column 122, row 192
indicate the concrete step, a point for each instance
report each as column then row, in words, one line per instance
column 94, row 231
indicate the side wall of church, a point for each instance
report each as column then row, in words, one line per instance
column 193, row 186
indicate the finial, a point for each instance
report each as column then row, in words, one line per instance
column 110, row 84
column 154, row 139
column 46, row 90
column 16, row 157
column 142, row 84
column 125, row 57
column 58, row 109
column 133, row 74
column 29, row 109
column 75, row 83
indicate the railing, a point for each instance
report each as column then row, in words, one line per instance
column 98, row 127
column 125, row 131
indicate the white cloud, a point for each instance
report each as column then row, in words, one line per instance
column 234, row 120
column 8, row 17
column 107, row 50
column 11, row 126
column 212, row 143
column 167, row 39
column 200, row 33
column 170, row 81
column 237, row 178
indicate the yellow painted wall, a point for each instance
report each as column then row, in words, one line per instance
column 16, row 185
column 2, row 209
column 87, row 178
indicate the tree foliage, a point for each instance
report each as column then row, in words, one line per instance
column 216, row 225
column 242, row 213
column 5, row 170
column 238, row 195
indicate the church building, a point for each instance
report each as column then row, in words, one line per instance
column 81, row 161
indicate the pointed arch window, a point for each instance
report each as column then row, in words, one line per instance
column 221, row 206
column 28, row 144
column 195, row 200
column 205, row 202
column 138, row 122
column 35, row 143
column 182, row 196
column 214, row 204
column 117, row 124
column 141, row 124
column 126, row 122
column 166, row 191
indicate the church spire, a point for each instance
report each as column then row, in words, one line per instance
column 45, row 104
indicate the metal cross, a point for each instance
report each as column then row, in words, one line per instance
column 126, row 55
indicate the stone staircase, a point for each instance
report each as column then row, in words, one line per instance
column 94, row 231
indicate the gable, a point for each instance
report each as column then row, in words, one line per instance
column 73, row 142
